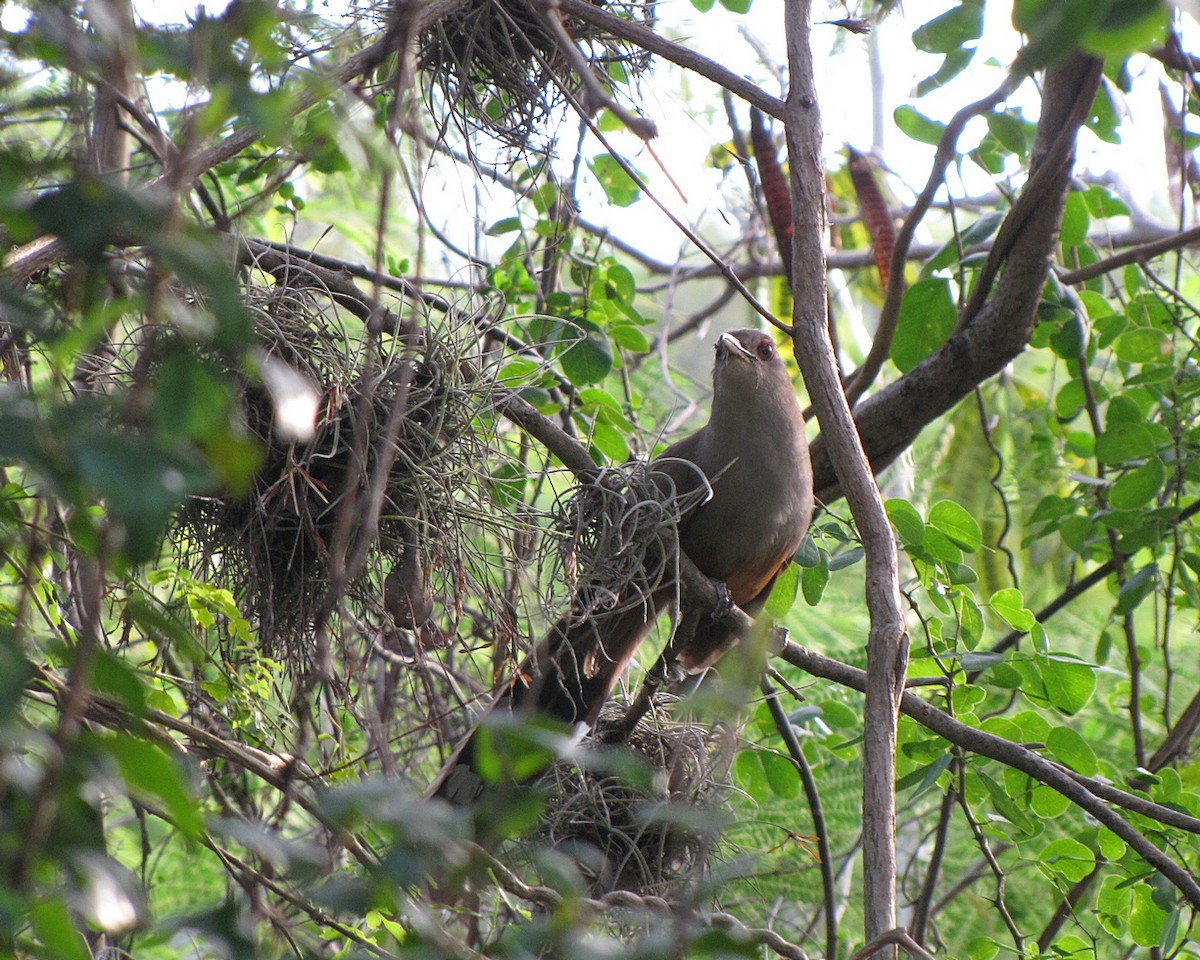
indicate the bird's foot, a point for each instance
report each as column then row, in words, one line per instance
column 725, row 602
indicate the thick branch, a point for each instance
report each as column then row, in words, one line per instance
column 887, row 646
column 890, row 420
column 647, row 39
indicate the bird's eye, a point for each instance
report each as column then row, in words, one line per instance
column 766, row 350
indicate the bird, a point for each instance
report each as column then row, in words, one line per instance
column 751, row 459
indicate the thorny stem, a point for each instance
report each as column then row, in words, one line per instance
column 997, row 871
column 816, row 809
column 1127, row 625
column 922, row 909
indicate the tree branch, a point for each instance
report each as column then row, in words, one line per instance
column 887, row 643
column 891, row 419
column 1011, row 754
column 681, row 56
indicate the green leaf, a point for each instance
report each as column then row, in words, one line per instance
column 1066, row 858
column 630, row 338
column 940, row 547
column 954, row 63
column 957, row 524
column 982, row 948
column 781, row 774
column 1048, row 803
column 618, row 186
column 621, row 281
column 970, row 622
column 1071, row 750
column 927, row 317
column 1135, row 589
column 1010, row 605
column 813, row 581
column 151, row 774
column 751, row 776
column 908, row 523
column 191, row 399
column 1010, row 130
column 54, row 927
column 1123, row 442
column 1147, row 919
column 1068, row 683
column 1112, row 906
column 1139, row 486
column 610, row 441
column 113, row 676
column 501, row 227
column 1075, row 221
column 1143, row 345
column 840, row 715
column 588, row 360
column 916, row 126
column 951, row 30
column 1126, row 26
column 783, row 593
column 737, row 6
column 1071, row 337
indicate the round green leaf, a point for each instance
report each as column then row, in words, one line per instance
column 783, row 593
column 927, row 318
column 917, row 126
column 618, row 186
column 1067, row 858
column 1123, row 442
column 1143, row 345
column 781, row 774
column 813, row 581
column 1139, row 486
column 1010, row 605
column 1071, row 750
column 906, row 520
column 1069, row 684
column 1147, row 920
column 587, row 361
column 838, row 714
column 1048, row 803
column 957, row 524
column 1075, row 220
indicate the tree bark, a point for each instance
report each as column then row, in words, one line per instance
column 887, row 643
column 985, row 343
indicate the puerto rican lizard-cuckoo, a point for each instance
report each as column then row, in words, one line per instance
column 754, row 454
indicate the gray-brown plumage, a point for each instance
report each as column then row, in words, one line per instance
column 754, row 454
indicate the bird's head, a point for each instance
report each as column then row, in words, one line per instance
column 748, row 363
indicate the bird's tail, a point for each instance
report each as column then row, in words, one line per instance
column 567, row 679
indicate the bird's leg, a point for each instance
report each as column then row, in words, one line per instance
column 657, row 677
column 725, row 602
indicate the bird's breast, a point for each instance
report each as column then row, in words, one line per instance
column 751, row 526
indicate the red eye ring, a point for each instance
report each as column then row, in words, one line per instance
column 766, row 350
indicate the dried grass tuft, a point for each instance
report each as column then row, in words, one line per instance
column 496, row 66
column 645, row 841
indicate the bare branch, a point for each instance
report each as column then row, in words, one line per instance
column 891, row 419
column 647, row 39
column 1010, row 754
column 887, row 644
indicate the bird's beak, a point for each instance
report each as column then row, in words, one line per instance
column 727, row 343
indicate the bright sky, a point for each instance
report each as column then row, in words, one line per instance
column 690, row 129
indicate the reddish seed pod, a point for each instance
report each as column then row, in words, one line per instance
column 774, row 188
column 875, row 213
